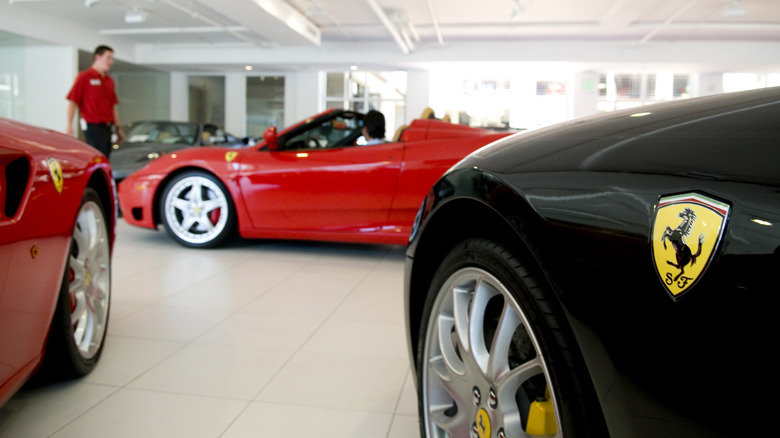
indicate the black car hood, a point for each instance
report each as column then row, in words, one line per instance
column 643, row 140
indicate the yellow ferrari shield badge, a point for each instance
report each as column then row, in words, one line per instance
column 481, row 427
column 230, row 156
column 56, row 174
column 686, row 234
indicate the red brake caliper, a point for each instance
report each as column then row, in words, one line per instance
column 214, row 215
column 71, row 277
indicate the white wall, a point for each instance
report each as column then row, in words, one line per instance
column 710, row 83
column 43, row 75
column 47, row 75
column 418, row 94
column 302, row 98
column 583, row 94
column 143, row 95
column 235, row 103
column 179, row 96
column 303, row 93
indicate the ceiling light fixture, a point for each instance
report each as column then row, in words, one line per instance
column 734, row 8
column 136, row 16
column 90, row 3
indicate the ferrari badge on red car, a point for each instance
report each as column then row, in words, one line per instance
column 56, row 174
column 686, row 234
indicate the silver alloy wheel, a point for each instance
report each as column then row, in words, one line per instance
column 89, row 279
column 480, row 357
column 196, row 210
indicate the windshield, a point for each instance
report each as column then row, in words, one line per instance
column 162, row 132
column 342, row 130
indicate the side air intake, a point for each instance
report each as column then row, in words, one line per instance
column 14, row 179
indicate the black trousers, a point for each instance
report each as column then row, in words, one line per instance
column 98, row 135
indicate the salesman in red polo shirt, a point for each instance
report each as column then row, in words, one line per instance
column 94, row 95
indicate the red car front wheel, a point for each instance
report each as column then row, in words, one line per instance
column 197, row 211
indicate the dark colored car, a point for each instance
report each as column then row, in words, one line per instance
column 611, row 276
column 56, row 239
column 149, row 139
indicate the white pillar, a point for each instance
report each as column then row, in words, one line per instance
column 418, row 85
column 48, row 73
column 179, row 97
column 304, row 96
column 664, row 86
column 710, row 83
column 584, row 94
column 235, row 103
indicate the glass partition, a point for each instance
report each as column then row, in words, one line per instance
column 360, row 91
column 264, row 104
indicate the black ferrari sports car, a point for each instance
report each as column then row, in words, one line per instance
column 610, row 276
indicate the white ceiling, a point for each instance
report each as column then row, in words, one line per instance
column 279, row 34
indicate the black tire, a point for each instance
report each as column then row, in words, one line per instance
column 519, row 355
column 197, row 210
column 80, row 322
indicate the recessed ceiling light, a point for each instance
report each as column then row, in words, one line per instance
column 136, row 16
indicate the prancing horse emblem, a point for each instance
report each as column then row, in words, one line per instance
column 692, row 214
column 677, row 238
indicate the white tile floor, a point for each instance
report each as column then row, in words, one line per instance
column 257, row 339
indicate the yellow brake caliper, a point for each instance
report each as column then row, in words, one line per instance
column 541, row 417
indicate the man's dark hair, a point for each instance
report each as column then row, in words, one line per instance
column 374, row 121
column 100, row 50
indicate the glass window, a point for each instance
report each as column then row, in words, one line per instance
column 207, row 99
column 161, row 132
column 602, row 85
column 264, row 104
column 550, row 88
column 680, row 86
column 6, row 95
column 628, row 85
column 650, row 86
column 12, row 75
column 335, row 85
column 342, row 130
column 361, row 91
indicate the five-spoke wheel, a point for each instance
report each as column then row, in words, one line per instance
column 197, row 211
column 79, row 326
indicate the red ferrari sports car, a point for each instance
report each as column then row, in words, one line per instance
column 312, row 181
column 57, row 221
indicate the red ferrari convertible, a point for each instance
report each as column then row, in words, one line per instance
column 312, row 181
column 57, row 219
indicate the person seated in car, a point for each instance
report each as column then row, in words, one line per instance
column 374, row 127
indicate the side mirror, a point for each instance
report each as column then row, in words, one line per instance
column 271, row 139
